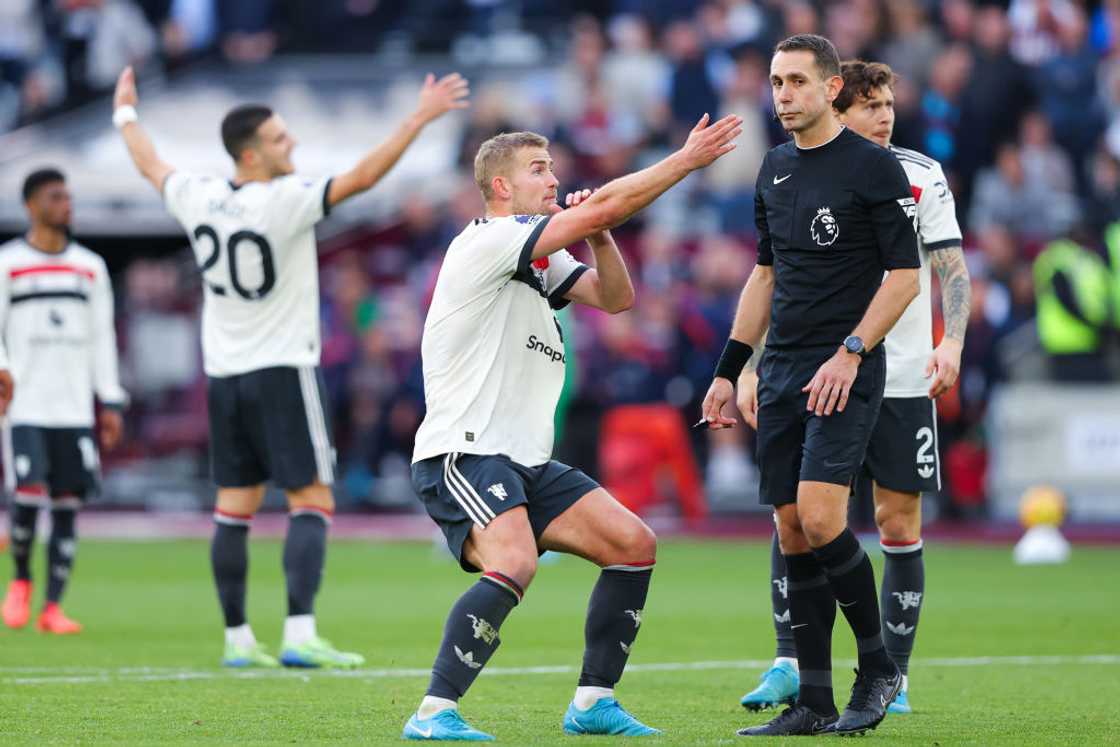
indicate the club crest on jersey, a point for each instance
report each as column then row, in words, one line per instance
column 824, row 229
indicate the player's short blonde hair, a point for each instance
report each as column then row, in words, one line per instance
column 495, row 156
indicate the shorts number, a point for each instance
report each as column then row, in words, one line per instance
column 89, row 453
column 268, row 268
column 924, row 455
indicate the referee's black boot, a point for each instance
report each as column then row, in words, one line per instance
column 797, row 720
column 871, row 694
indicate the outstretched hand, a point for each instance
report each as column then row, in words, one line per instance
column 126, row 95
column 438, row 97
column 707, row 142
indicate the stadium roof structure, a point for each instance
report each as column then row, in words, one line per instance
column 337, row 109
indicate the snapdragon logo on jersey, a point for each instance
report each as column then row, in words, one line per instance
column 824, row 228
column 557, row 356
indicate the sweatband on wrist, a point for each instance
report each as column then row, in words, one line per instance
column 122, row 115
column 735, row 355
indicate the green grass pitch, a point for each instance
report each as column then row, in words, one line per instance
column 144, row 671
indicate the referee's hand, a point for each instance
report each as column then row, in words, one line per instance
column 719, row 394
column 747, row 400
column 829, row 388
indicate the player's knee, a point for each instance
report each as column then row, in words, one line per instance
column 640, row 543
column 518, row 565
column 313, row 496
column 820, row 526
column 897, row 525
column 240, row 501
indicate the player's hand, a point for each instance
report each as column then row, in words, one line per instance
column 707, row 143
column 110, row 427
column 126, row 95
column 438, row 97
column 829, row 388
column 7, row 388
column 747, row 399
column 719, row 394
column 944, row 366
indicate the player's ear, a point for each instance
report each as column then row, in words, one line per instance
column 501, row 188
column 833, row 86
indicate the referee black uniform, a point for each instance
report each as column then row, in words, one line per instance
column 831, row 220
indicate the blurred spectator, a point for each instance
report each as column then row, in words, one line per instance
column 1067, row 84
column 1043, row 162
column 913, row 44
column 1036, row 26
column 1005, row 196
column 1102, row 206
column 692, row 92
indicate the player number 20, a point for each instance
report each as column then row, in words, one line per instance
column 236, row 241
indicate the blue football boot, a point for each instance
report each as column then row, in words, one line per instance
column 779, row 684
column 605, row 717
column 445, row 725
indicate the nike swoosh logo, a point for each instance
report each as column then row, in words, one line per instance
column 849, row 604
column 779, row 181
column 427, row 734
column 800, row 625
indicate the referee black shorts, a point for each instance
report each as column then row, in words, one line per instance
column 270, row 425
column 794, row 444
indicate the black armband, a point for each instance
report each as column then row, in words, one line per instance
column 735, row 355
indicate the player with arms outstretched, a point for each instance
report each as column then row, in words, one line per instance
column 254, row 239
column 56, row 319
column 902, row 456
column 493, row 369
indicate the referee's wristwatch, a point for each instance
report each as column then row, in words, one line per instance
column 854, row 345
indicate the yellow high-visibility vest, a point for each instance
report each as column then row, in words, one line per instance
column 1061, row 332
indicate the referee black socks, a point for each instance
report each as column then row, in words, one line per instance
column 470, row 636
column 852, row 580
column 614, row 615
column 812, row 611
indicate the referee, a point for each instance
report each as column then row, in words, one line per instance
column 833, row 211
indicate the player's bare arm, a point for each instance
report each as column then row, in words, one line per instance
column 437, row 97
column 956, row 305
column 616, row 201
column 829, row 388
column 752, row 317
column 607, row 286
column 140, row 147
column 746, row 388
column 7, row 388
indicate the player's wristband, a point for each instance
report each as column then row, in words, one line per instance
column 122, row 115
column 735, row 355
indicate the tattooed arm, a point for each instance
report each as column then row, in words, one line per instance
column 956, row 299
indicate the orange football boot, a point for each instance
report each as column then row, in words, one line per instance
column 17, row 604
column 53, row 620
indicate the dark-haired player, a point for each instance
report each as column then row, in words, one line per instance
column 902, row 457
column 56, row 320
column 834, row 213
column 254, row 238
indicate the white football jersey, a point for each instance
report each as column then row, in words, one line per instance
column 492, row 350
column 56, row 318
column 910, row 342
column 255, row 246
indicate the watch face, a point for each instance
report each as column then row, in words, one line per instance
column 854, row 344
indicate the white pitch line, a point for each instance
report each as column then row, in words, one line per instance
column 162, row 674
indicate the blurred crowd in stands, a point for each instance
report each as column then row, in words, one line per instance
column 1020, row 101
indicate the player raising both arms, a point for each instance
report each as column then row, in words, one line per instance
column 493, row 370
column 902, row 456
column 254, row 238
column 56, row 319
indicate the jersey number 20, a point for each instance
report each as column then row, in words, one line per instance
column 268, row 270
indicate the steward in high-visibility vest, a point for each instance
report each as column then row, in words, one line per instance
column 1073, row 289
column 1112, row 241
